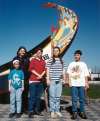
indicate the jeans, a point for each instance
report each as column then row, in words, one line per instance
column 78, row 92
column 15, row 100
column 55, row 91
column 35, row 93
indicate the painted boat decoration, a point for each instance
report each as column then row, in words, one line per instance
column 62, row 37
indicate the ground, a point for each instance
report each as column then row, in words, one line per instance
column 92, row 111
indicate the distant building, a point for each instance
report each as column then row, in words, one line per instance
column 95, row 76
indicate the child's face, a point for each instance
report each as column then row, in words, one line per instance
column 22, row 52
column 39, row 54
column 56, row 52
column 77, row 57
column 16, row 65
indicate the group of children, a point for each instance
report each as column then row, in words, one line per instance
column 56, row 74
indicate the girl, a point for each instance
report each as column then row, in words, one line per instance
column 16, row 87
column 55, row 73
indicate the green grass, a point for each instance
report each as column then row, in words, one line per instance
column 93, row 92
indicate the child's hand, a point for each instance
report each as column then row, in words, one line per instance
column 22, row 89
column 70, row 85
column 86, row 86
column 66, row 84
column 0, row 74
column 39, row 77
column 9, row 90
column 48, row 82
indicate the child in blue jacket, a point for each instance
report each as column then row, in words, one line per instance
column 16, row 87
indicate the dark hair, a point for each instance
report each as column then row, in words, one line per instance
column 53, row 61
column 78, row 52
column 56, row 48
column 22, row 47
column 37, row 49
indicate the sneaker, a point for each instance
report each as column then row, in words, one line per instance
column 53, row 115
column 30, row 115
column 11, row 115
column 59, row 114
column 18, row 115
column 83, row 115
column 74, row 115
column 38, row 113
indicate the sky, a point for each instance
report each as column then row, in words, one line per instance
column 27, row 23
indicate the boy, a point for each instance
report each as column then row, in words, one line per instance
column 37, row 72
column 78, row 80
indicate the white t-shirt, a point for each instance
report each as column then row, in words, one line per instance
column 77, row 72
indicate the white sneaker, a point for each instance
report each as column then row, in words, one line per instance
column 53, row 115
column 59, row 114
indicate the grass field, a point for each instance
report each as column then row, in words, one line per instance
column 93, row 91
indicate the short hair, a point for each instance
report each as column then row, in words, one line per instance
column 78, row 52
column 37, row 49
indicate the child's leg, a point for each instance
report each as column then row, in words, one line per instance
column 58, row 95
column 52, row 91
column 74, row 93
column 39, row 92
column 12, row 100
column 82, row 98
column 19, row 100
column 32, row 96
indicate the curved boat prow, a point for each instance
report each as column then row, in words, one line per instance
column 66, row 30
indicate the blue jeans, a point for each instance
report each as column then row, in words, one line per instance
column 55, row 91
column 78, row 92
column 35, row 93
column 15, row 100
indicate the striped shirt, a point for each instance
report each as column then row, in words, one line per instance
column 55, row 69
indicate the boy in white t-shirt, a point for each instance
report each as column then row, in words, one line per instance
column 78, row 80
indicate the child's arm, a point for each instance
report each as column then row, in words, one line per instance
column 32, row 70
column 47, row 77
column 86, row 76
column 86, row 83
column 64, row 76
column 9, row 85
column 43, row 73
column 68, row 80
column 5, row 73
column 22, row 85
column 37, row 74
column 22, row 81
